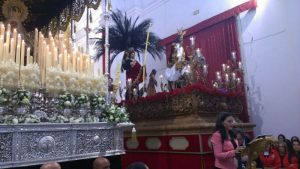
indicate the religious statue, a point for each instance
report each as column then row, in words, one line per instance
column 134, row 71
column 152, row 83
column 177, row 63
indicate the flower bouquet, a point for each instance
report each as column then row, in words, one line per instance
column 97, row 104
column 3, row 99
column 115, row 114
column 82, row 103
column 21, row 101
column 66, row 102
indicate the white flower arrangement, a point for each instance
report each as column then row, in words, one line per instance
column 55, row 80
column 20, row 97
column 9, row 73
column 115, row 114
column 66, row 100
column 4, row 96
column 82, row 101
column 31, row 77
column 97, row 102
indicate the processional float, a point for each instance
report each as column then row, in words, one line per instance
column 53, row 107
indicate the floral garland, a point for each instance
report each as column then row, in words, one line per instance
column 186, row 90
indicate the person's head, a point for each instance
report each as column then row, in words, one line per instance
column 268, row 148
column 110, row 80
column 50, row 165
column 281, row 138
column 131, row 53
column 294, row 138
column 225, row 121
column 137, row 165
column 282, row 148
column 240, row 136
column 101, row 163
column 153, row 72
column 296, row 146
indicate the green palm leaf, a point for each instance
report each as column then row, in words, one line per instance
column 125, row 34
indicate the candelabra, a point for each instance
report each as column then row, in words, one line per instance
column 230, row 77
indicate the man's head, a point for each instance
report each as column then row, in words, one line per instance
column 101, row 163
column 50, row 165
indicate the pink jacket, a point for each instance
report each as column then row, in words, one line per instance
column 224, row 153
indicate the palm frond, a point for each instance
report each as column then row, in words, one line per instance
column 125, row 33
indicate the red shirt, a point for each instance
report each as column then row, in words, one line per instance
column 272, row 160
column 293, row 164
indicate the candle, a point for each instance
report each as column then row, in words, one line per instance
column 2, row 29
column 35, row 48
column 224, row 67
column 7, row 41
column 22, row 53
column 12, row 49
column 4, row 51
column 28, row 56
column 18, row 54
column 226, row 78
column 1, row 47
column 129, row 81
column 78, row 64
column 161, row 78
column 8, row 34
column 228, row 68
column 218, row 76
column 119, row 84
column 238, row 80
column 134, row 91
column 205, row 69
column 240, row 65
column 233, row 56
column 13, row 44
column 233, row 76
column 198, row 52
column 60, row 61
column 192, row 39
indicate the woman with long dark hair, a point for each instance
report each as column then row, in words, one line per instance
column 225, row 145
column 292, row 159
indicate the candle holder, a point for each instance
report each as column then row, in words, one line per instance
column 230, row 77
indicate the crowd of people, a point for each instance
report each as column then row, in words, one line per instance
column 99, row 163
column 228, row 142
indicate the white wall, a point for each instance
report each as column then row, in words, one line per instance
column 270, row 48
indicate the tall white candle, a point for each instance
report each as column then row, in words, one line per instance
column 28, row 56
column 18, row 54
column 4, row 51
column 22, row 53
column 35, row 48
column 1, row 47
column 2, row 30
column 12, row 49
